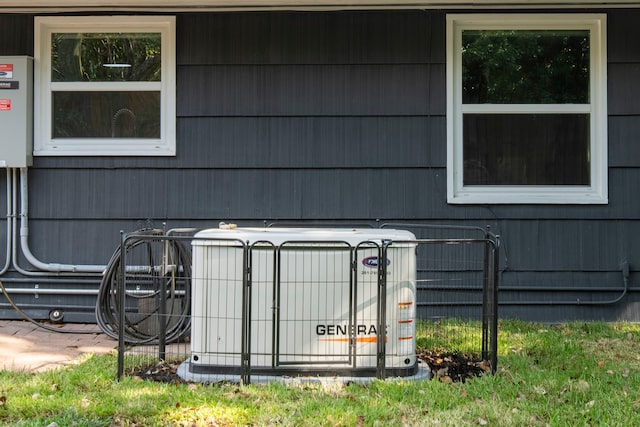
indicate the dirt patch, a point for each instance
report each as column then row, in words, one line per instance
column 448, row 367
column 445, row 367
column 165, row 372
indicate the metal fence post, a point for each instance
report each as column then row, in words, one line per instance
column 245, row 358
column 490, row 301
column 162, row 309
column 486, row 298
column 494, row 323
column 121, row 298
column 382, row 311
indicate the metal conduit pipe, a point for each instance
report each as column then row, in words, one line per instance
column 625, row 289
column 624, row 269
column 44, row 268
column 90, row 292
column 14, row 234
column 24, row 241
column 530, row 288
column 84, row 308
column 7, row 261
column 48, row 291
column 14, row 231
column 625, row 280
column 53, row 280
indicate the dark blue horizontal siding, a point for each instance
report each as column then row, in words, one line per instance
column 374, row 37
column 291, row 142
column 623, row 130
column 234, row 193
column 624, row 89
column 338, row 117
column 623, row 32
column 570, row 245
column 353, row 193
column 311, row 90
column 16, row 35
column 319, row 142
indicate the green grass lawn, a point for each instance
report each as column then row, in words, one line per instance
column 565, row 375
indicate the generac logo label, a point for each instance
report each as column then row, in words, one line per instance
column 342, row 333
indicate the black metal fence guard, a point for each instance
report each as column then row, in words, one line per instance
column 154, row 267
column 458, row 296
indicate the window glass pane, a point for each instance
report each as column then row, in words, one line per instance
column 105, row 57
column 525, row 67
column 106, row 114
column 526, row 149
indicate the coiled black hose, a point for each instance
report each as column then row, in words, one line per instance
column 153, row 267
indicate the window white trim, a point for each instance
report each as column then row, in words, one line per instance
column 44, row 145
column 597, row 191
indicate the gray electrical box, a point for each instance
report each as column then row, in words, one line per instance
column 16, row 111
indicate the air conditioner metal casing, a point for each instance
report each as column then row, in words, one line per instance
column 322, row 314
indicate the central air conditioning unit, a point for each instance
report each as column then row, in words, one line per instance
column 301, row 302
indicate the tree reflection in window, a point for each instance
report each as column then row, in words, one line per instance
column 105, row 57
column 130, row 59
column 525, row 67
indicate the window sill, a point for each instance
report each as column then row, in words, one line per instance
column 522, row 195
column 114, row 148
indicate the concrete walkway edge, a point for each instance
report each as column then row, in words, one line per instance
column 27, row 347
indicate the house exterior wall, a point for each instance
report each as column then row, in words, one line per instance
column 339, row 117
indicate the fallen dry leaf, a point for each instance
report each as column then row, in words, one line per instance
column 442, row 372
column 582, row 385
column 484, row 365
column 540, row 390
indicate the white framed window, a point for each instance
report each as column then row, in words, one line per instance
column 104, row 86
column 526, row 108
